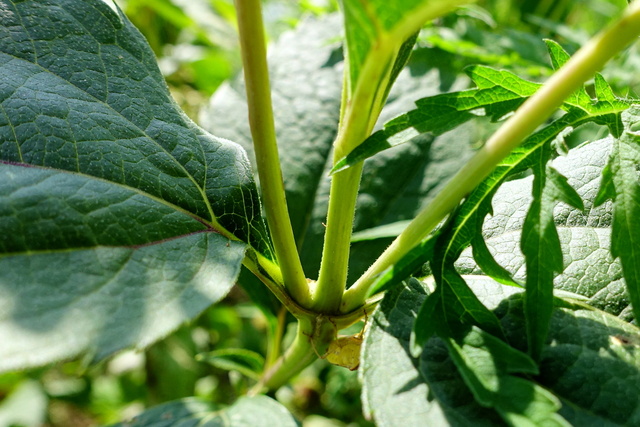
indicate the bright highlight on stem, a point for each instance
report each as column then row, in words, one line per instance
column 360, row 110
column 256, row 74
column 535, row 111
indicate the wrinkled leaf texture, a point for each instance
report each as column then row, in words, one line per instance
column 590, row 363
column 120, row 219
column 457, row 304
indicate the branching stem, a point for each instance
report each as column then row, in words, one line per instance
column 254, row 59
column 535, row 111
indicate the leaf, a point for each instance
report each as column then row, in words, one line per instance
column 409, row 264
column 467, row 221
column 246, row 411
column 117, row 211
column 540, row 245
column 594, row 379
column 486, row 364
column 620, row 183
column 306, row 72
column 498, row 93
column 406, row 398
column 108, row 298
column 459, row 306
column 483, row 361
column 247, row 362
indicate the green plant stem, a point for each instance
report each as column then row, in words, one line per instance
column 274, row 339
column 535, row 111
column 358, row 114
column 337, row 242
column 256, row 74
column 312, row 339
column 358, row 118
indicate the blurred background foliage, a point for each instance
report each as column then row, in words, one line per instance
column 197, row 48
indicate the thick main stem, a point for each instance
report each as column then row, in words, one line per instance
column 535, row 111
column 256, row 74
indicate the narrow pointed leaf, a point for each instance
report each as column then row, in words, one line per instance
column 409, row 264
column 467, row 220
column 589, row 269
column 559, row 57
column 540, row 245
column 498, row 93
column 486, row 365
column 575, row 370
column 488, row 263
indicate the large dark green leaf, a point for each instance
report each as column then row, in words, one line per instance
column 246, row 412
column 114, row 204
column 589, row 362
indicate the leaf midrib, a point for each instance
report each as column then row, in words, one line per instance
column 211, row 225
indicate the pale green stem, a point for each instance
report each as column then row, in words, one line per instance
column 535, row 111
column 356, row 125
column 358, row 116
column 337, row 241
column 256, row 74
column 274, row 338
column 311, row 341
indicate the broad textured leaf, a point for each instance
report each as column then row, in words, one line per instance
column 114, row 204
column 407, row 398
column 595, row 376
column 306, row 74
column 465, row 225
column 245, row 412
column 620, row 183
column 588, row 267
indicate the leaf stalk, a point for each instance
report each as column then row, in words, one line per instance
column 256, row 74
column 535, row 111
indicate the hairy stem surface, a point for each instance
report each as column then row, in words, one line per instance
column 256, row 75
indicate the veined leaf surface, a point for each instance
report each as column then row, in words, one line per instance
column 121, row 219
